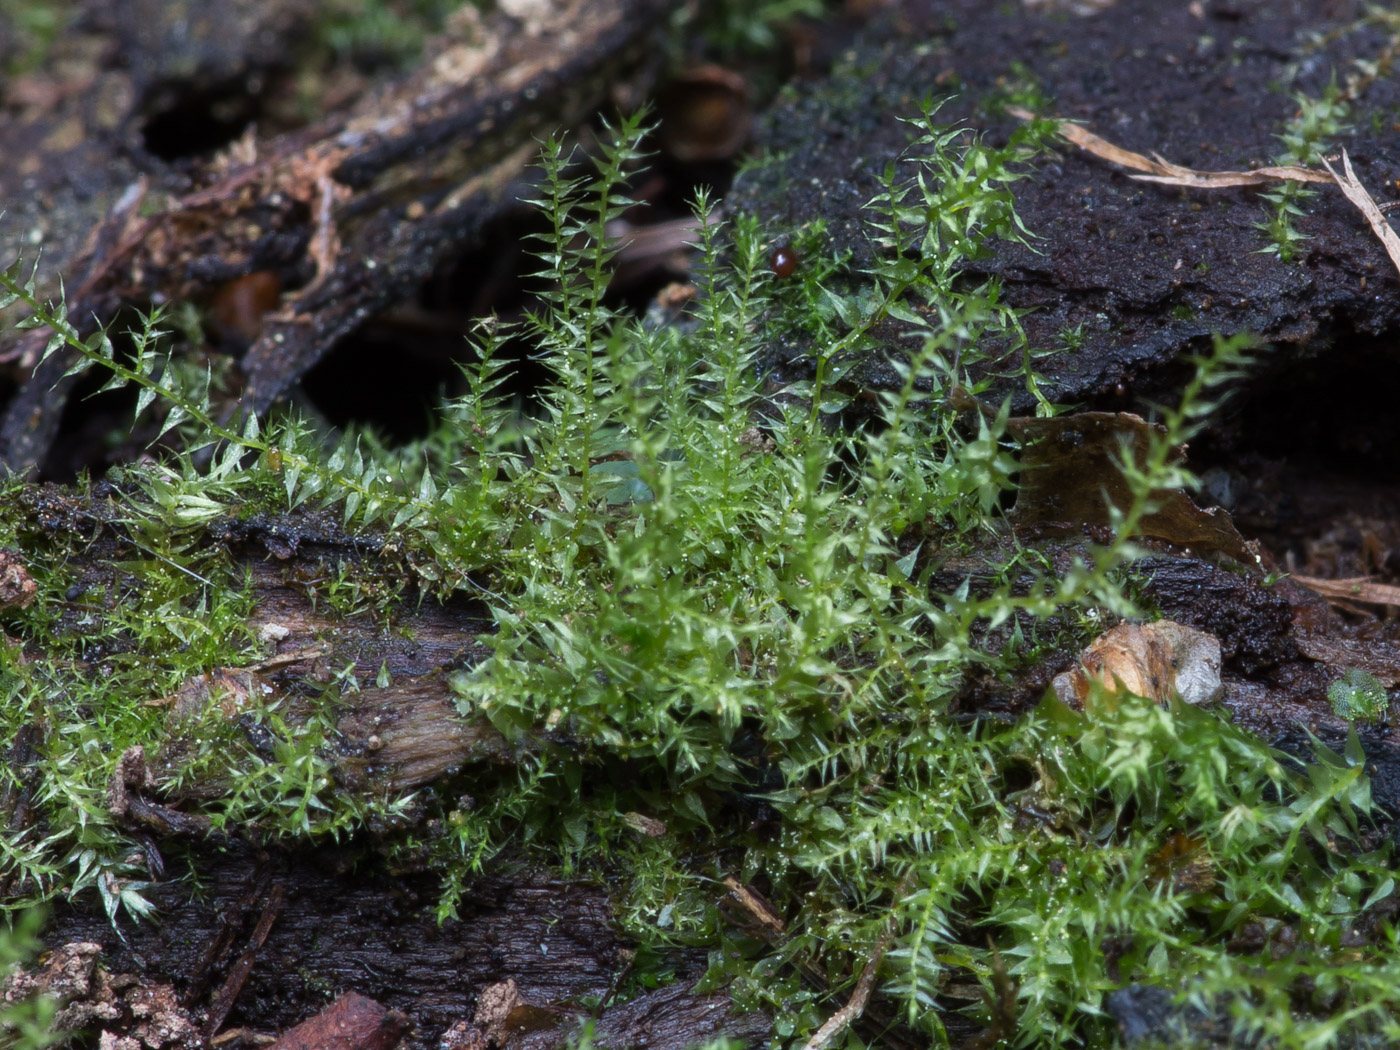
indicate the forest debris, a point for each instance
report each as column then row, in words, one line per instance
column 1002, row 1003
column 1184, row 863
column 1356, row 193
column 409, row 734
column 756, row 908
column 1069, row 480
column 648, row 826
column 463, row 1035
column 67, row 975
column 855, row 1006
column 352, row 213
column 493, row 1007
column 352, row 1022
column 1156, row 660
column 227, row 994
column 706, row 114
column 17, row 587
column 131, row 772
column 1158, row 169
column 502, row 1012
column 147, row 1011
column 1379, row 659
column 231, row 689
column 1353, row 589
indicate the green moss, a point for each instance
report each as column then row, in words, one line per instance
column 379, row 31
column 1358, row 697
column 719, row 654
column 1318, row 122
column 28, row 30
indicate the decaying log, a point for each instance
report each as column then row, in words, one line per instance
column 271, row 929
column 343, row 916
column 351, row 213
column 276, row 934
column 348, row 924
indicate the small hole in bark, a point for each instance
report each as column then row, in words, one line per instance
column 390, row 374
column 190, row 122
column 393, row 372
column 1308, row 446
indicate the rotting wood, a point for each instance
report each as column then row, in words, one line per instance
column 355, row 211
column 1194, row 577
column 352, row 1022
column 349, row 924
column 1126, row 277
column 288, row 558
column 237, row 974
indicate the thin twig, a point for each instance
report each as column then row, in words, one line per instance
column 1356, row 193
column 848, row 1014
column 1158, row 169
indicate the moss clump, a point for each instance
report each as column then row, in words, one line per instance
column 720, row 655
column 1358, row 697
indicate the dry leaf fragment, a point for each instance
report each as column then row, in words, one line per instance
column 232, row 689
column 1157, row 169
column 1155, row 660
column 649, row 826
column 1379, row 659
column 1354, row 589
column 1185, row 863
column 1356, row 193
column 1070, row 478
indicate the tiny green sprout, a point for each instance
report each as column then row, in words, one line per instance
column 1358, row 697
column 1071, row 339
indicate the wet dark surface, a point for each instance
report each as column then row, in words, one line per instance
column 344, row 922
column 1144, row 271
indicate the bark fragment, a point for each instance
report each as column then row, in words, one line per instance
column 351, row 213
column 352, row 1022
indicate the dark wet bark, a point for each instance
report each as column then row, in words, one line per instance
column 265, row 934
column 347, row 924
column 350, row 214
column 1145, row 272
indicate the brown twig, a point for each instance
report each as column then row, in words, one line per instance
column 1158, row 169
column 1356, row 193
column 855, row 1006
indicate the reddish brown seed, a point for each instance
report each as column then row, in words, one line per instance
column 783, row 261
